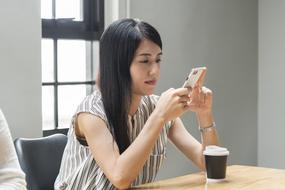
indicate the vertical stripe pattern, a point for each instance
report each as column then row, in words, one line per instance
column 78, row 168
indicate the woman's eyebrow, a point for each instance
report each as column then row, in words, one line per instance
column 148, row 54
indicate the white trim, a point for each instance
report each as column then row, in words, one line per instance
column 111, row 11
column 124, row 8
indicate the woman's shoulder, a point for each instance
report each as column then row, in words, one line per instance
column 95, row 96
column 92, row 103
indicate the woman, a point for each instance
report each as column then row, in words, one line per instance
column 11, row 175
column 119, row 133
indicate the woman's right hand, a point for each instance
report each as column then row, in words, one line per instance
column 172, row 103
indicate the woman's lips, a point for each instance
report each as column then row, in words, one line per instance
column 150, row 82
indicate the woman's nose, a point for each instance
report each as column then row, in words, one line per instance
column 155, row 68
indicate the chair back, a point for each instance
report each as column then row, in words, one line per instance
column 40, row 159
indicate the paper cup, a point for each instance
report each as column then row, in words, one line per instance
column 216, row 163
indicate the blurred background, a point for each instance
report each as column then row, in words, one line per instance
column 49, row 60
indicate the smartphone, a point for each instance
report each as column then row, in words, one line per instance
column 193, row 77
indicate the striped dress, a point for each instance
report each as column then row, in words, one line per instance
column 78, row 168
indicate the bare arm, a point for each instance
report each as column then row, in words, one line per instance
column 208, row 137
column 188, row 145
column 200, row 103
column 122, row 169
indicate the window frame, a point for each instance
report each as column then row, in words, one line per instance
column 89, row 29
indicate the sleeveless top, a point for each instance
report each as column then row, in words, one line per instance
column 79, row 169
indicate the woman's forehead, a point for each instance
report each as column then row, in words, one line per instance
column 148, row 48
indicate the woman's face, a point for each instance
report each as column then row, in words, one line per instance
column 145, row 68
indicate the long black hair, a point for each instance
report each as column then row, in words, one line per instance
column 118, row 45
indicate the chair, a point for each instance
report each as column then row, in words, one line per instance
column 40, row 159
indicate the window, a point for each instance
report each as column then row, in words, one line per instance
column 70, row 33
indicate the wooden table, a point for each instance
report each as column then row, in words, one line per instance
column 238, row 177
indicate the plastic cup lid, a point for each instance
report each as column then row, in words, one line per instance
column 214, row 150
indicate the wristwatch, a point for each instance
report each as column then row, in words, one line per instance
column 208, row 128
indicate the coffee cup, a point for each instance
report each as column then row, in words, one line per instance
column 215, row 162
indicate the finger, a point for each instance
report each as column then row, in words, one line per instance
column 209, row 99
column 201, row 97
column 205, row 90
column 184, row 98
column 208, row 95
column 167, row 91
column 190, row 89
column 203, row 94
column 181, row 91
column 170, row 89
column 200, row 82
column 194, row 96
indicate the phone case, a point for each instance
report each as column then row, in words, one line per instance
column 193, row 77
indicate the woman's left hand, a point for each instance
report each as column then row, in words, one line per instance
column 200, row 100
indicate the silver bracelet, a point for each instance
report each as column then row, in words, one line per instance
column 209, row 128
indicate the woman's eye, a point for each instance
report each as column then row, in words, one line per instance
column 158, row 61
column 144, row 61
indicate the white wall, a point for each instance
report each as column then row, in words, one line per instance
column 20, row 66
column 222, row 35
column 271, row 104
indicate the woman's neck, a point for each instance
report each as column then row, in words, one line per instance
column 134, row 104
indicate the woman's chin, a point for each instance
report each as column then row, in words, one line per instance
column 145, row 91
column 149, row 92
